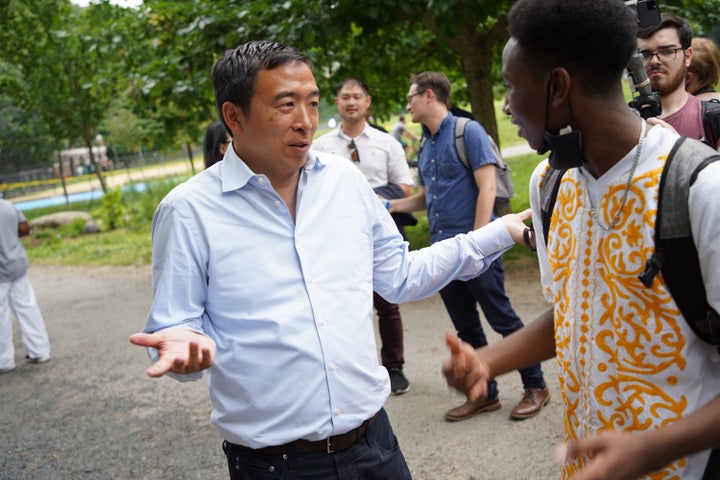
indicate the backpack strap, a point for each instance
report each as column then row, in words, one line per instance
column 710, row 113
column 675, row 253
column 460, row 140
column 548, row 194
column 712, row 469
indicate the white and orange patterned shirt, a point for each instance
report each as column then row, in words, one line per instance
column 628, row 360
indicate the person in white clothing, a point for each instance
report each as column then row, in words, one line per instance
column 16, row 293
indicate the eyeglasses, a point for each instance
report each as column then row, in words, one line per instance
column 410, row 97
column 354, row 155
column 664, row 55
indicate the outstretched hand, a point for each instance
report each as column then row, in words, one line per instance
column 464, row 371
column 179, row 351
column 519, row 231
column 612, row 455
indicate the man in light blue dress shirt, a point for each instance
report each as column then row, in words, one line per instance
column 264, row 267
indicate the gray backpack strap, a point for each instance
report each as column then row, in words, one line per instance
column 675, row 253
column 460, row 140
column 504, row 190
column 503, row 182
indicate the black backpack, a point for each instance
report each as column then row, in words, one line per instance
column 710, row 114
column 675, row 253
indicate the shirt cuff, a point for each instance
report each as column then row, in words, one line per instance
column 492, row 238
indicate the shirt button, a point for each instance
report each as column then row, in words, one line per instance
column 261, row 181
column 337, row 411
column 272, row 469
column 333, row 366
column 277, row 203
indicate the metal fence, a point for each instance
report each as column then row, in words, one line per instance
column 28, row 182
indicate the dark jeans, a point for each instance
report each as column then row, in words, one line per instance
column 488, row 290
column 391, row 332
column 376, row 456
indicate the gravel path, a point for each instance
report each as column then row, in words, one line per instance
column 91, row 413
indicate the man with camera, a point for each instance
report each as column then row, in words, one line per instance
column 667, row 54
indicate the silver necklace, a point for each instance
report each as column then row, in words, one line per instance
column 616, row 218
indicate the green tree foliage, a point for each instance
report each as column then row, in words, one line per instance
column 65, row 64
column 24, row 141
column 382, row 41
column 71, row 66
column 126, row 131
column 169, row 77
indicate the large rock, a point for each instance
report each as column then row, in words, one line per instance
column 59, row 219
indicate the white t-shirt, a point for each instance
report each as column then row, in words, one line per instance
column 13, row 259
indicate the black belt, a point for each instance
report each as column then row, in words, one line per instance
column 332, row 444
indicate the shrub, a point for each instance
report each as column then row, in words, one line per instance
column 112, row 209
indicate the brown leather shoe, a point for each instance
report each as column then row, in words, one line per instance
column 532, row 402
column 470, row 409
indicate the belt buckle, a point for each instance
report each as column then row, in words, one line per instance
column 328, row 445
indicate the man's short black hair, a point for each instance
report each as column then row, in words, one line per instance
column 352, row 81
column 234, row 74
column 593, row 40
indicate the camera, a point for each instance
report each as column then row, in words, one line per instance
column 648, row 12
column 647, row 102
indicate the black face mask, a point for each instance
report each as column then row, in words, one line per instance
column 565, row 147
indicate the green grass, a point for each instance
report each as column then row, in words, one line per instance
column 116, row 247
column 128, row 244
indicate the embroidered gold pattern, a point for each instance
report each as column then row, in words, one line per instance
column 619, row 344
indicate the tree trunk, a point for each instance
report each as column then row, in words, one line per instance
column 61, row 171
column 188, row 145
column 476, row 51
column 93, row 162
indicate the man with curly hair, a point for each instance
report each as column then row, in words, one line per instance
column 638, row 386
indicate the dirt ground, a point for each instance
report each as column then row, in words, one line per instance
column 91, row 413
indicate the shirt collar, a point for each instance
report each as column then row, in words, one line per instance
column 446, row 122
column 344, row 136
column 235, row 174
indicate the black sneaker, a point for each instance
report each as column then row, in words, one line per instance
column 398, row 383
